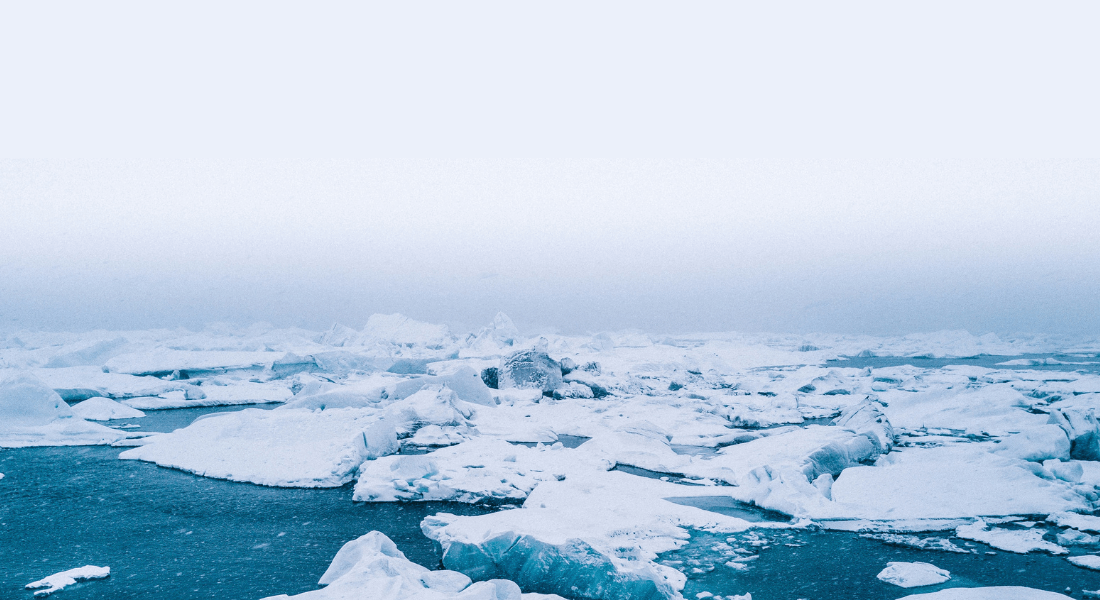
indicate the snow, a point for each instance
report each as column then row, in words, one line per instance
column 104, row 409
column 989, row 593
column 1088, row 561
column 1020, row 541
column 913, row 574
column 59, row 581
column 167, row 361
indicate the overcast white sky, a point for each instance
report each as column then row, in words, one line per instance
column 862, row 167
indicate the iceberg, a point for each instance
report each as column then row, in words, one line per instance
column 372, row 567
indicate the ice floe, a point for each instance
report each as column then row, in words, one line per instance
column 1020, row 541
column 913, row 574
column 62, row 580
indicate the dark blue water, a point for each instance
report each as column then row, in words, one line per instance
column 826, row 565
column 1091, row 363
column 173, row 535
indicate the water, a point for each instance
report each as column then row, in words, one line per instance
column 1083, row 363
column 169, row 534
column 824, row 565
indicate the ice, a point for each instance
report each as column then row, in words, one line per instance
column 1020, row 541
column 86, row 352
column 289, row 448
column 530, row 369
column 372, row 567
column 32, row 414
column 1040, row 443
column 104, row 409
column 164, row 361
column 913, row 574
column 997, row 409
column 1088, row 561
column 605, row 549
column 1076, row 521
column 989, row 593
column 1083, row 430
column 62, row 580
column 947, row 482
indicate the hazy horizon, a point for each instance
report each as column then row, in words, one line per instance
column 877, row 247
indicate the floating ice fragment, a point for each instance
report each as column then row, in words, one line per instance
column 104, row 409
column 1020, row 541
column 1088, row 561
column 59, row 581
column 913, row 574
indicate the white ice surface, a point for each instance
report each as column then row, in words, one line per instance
column 1088, row 561
column 1020, row 541
column 104, row 409
column 62, row 580
column 913, row 574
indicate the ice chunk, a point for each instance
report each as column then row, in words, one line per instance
column 989, row 593
column 867, row 417
column 465, row 381
column 104, row 409
column 432, row 405
column 372, row 566
column 1082, row 522
column 59, row 581
column 86, row 353
column 1074, row 537
column 913, row 574
column 1020, row 541
column 289, row 448
column 530, row 369
column 1083, row 430
column 1039, row 443
column 1088, row 561
column 32, row 414
column 27, row 402
column 1066, row 471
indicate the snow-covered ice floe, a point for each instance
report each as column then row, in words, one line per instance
column 372, row 567
column 32, row 414
column 62, row 580
column 913, row 574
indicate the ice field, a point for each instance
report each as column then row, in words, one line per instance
column 605, row 466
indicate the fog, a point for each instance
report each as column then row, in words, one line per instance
column 881, row 247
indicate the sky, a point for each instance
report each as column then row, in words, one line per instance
column 852, row 167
